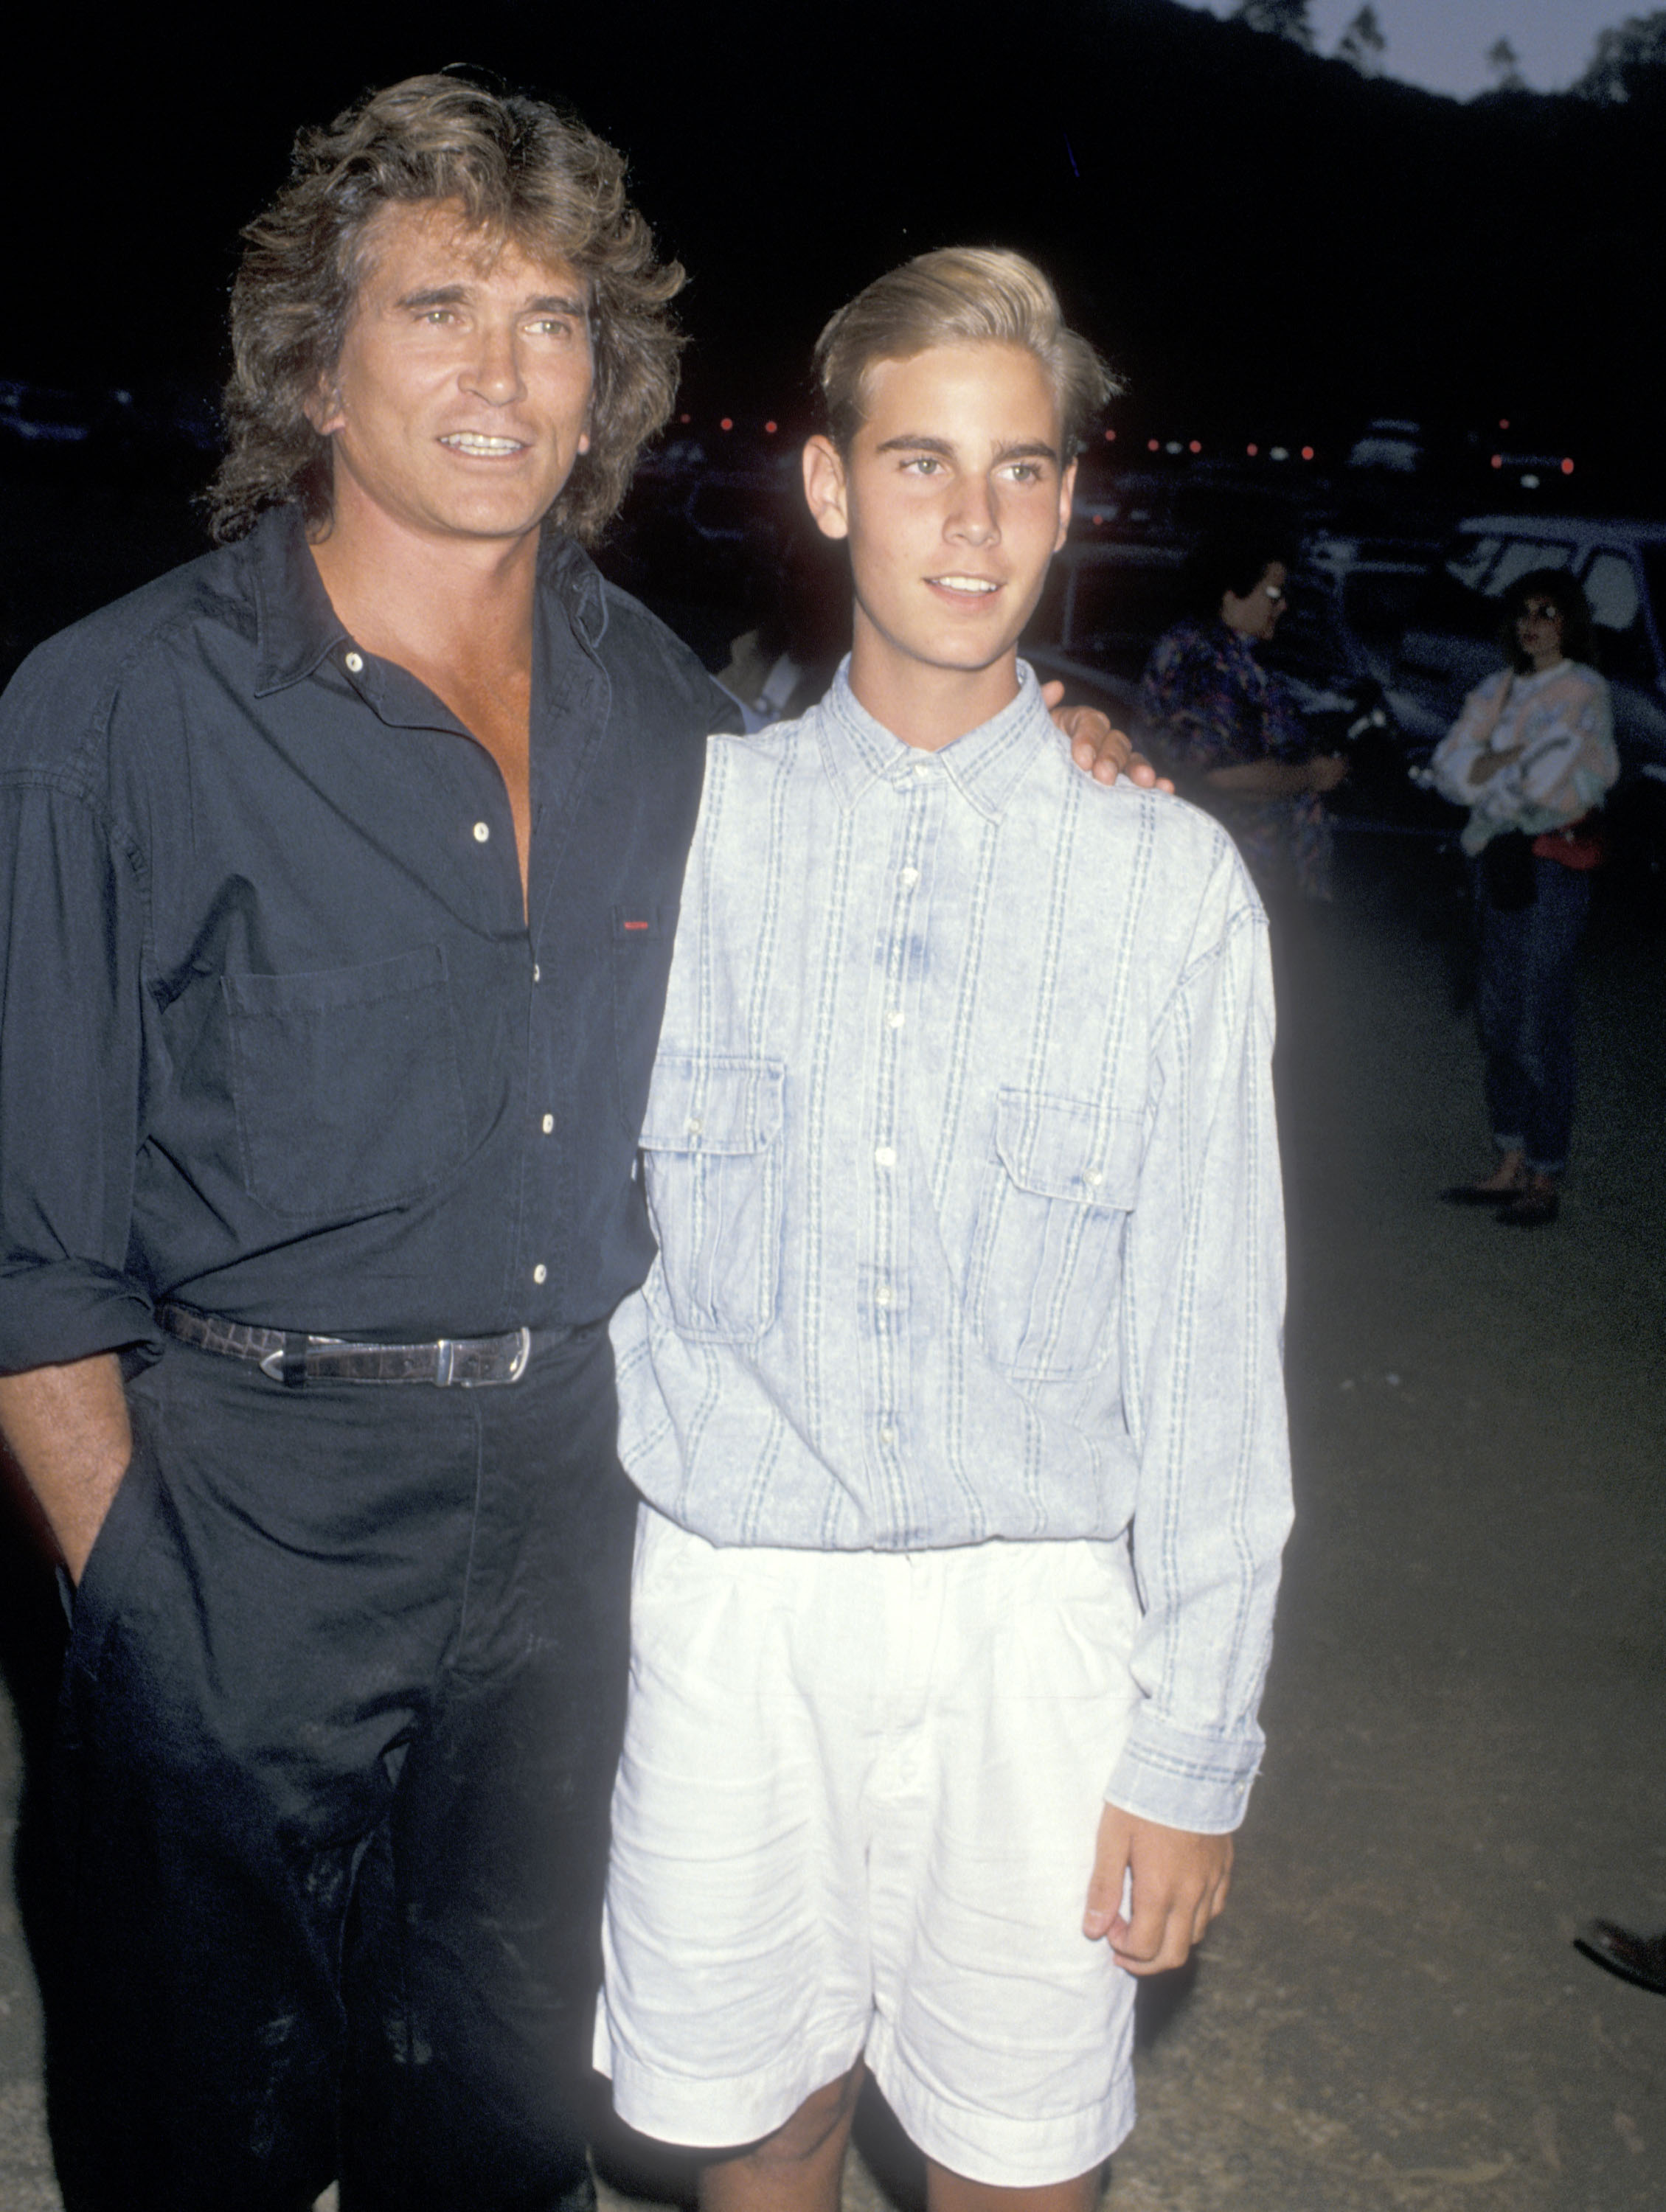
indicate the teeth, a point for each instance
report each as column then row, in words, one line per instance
column 966, row 583
column 473, row 441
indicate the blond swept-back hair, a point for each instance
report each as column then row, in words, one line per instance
column 959, row 296
column 518, row 170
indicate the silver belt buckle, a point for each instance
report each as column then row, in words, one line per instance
column 445, row 1373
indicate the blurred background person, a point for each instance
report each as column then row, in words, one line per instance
column 1531, row 757
column 1229, row 730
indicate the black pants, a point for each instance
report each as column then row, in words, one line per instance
column 340, row 1717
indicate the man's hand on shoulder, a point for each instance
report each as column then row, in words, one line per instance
column 1179, row 1882
column 1097, row 746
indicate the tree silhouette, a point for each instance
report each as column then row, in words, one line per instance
column 1506, row 65
column 1362, row 45
column 1282, row 19
column 1628, row 62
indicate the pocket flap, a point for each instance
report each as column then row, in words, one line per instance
column 1063, row 1148
column 713, row 1103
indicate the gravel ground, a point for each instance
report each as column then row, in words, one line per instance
column 1466, row 1719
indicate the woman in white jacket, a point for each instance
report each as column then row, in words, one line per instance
column 1531, row 757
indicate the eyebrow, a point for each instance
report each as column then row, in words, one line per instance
column 451, row 295
column 1034, row 449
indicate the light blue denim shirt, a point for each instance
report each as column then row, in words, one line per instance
column 960, row 1151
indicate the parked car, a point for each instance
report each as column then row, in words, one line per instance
column 1451, row 643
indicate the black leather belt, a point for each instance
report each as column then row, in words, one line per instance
column 469, row 1363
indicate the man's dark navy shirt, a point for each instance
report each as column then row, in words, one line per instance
column 277, row 1037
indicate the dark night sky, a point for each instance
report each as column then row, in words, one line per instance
column 1254, row 235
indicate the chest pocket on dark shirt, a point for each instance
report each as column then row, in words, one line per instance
column 1047, row 1252
column 349, row 1094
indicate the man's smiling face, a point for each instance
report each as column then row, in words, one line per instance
column 953, row 497
column 459, row 403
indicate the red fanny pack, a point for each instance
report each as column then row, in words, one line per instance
column 1576, row 845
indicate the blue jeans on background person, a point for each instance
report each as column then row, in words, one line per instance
column 1525, row 1005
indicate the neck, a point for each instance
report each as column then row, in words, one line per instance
column 927, row 706
column 424, row 601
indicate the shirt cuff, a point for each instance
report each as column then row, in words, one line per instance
column 65, row 1309
column 1182, row 1780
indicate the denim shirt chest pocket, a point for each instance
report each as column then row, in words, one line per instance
column 1047, row 1247
column 712, row 1144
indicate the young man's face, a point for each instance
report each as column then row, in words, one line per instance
column 460, row 400
column 954, row 499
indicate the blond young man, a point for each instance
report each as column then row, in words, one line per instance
column 955, row 1392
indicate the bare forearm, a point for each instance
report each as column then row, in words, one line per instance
column 68, row 1432
column 1485, row 765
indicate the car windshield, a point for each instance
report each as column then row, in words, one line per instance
column 1460, row 598
column 1654, row 568
column 1109, row 612
column 1624, row 650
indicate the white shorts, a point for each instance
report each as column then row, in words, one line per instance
column 856, row 1814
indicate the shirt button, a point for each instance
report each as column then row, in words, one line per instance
column 884, row 1295
column 540, row 1273
column 549, row 1124
column 695, row 1127
column 481, row 833
column 885, row 1156
column 1094, row 1176
column 887, row 1434
column 910, row 877
column 894, row 1019
column 921, row 770
column 353, row 664
column 537, row 973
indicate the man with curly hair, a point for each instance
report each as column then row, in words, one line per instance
column 343, row 864
column 344, row 869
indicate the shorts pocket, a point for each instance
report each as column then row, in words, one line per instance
column 349, row 1094
column 1047, row 1250
column 712, row 1143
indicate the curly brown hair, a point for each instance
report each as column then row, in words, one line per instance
column 518, row 170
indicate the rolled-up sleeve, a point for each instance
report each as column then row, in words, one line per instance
column 1204, row 1385
column 72, row 935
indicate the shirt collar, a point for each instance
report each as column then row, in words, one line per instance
column 985, row 766
column 297, row 627
column 295, row 624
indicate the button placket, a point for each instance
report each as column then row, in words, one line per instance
column 884, row 1271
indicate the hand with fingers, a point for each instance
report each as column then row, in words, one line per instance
column 1176, row 1884
column 1098, row 747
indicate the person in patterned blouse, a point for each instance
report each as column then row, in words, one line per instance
column 1232, row 735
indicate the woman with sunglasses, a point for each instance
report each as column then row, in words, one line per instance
column 1531, row 757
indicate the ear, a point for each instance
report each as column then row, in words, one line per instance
column 824, row 488
column 1066, row 495
column 325, row 410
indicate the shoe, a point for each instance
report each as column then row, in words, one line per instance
column 1639, row 1958
column 1531, row 1209
column 1476, row 1194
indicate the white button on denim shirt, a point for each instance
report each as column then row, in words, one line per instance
column 960, row 1154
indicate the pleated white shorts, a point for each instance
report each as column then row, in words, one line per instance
column 856, row 1814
